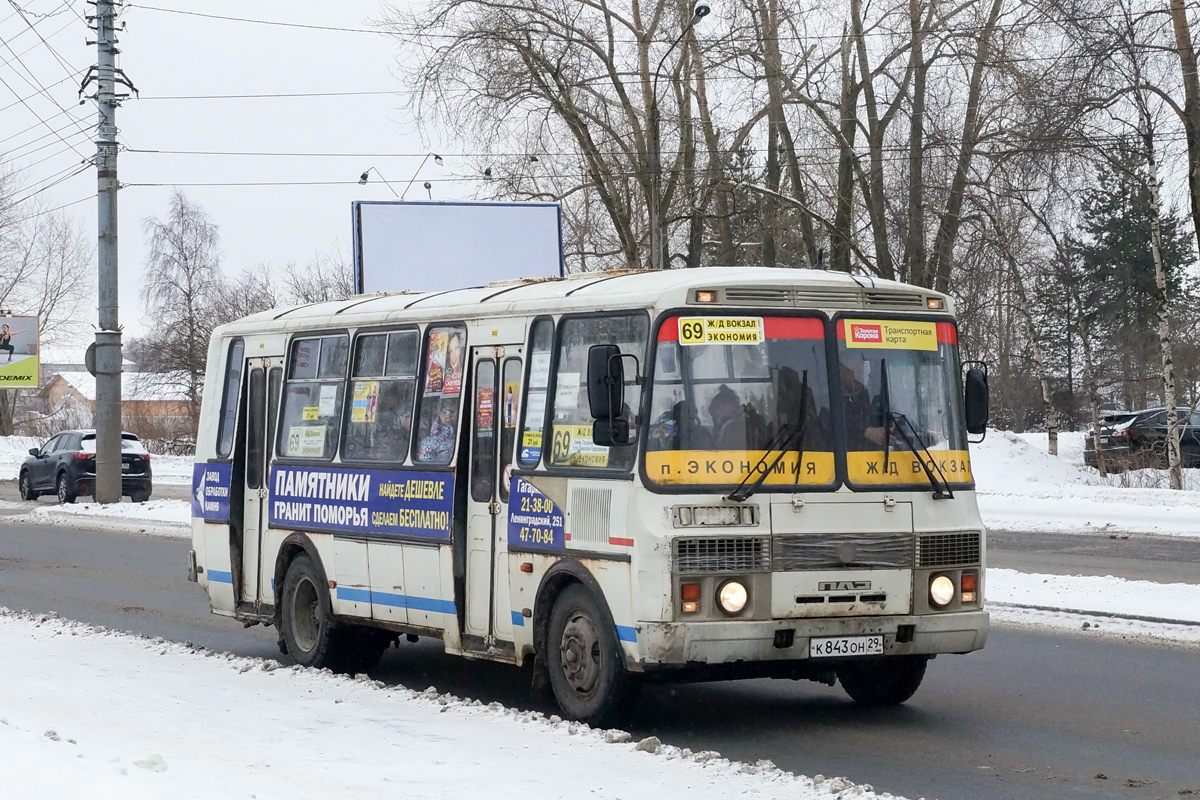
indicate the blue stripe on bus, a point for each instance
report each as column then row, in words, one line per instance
column 626, row 633
column 396, row 600
column 518, row 619
column 217, row 576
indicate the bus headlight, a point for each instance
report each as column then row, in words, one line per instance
column 941, row 591
column 732, row 597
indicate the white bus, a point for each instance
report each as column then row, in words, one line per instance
column 611, row 477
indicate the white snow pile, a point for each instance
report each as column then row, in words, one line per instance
column 88, row 712
column 1021, row 487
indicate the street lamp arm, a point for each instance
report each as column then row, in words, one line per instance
column 362, row 179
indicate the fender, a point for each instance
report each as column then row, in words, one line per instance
column 565, row 571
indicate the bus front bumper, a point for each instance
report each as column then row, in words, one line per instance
column 748, row 641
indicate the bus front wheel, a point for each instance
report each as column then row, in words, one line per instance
column 308, row 629
column 583, row 658
column 884, row 681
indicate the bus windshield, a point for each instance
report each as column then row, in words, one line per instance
column 731, row 391
column 898, row 387
column 734, row 396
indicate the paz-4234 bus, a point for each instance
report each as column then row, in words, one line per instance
column 609, row 478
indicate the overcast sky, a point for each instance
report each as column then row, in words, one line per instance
column 171, row 55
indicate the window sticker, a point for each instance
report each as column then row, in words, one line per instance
column 573, row 446
column 484, row 408
column 328, row 404
column 306, row 442
column 365, row 402
column 882, row 334
column 566, row 397
column 720, row 330
column 510, row 404
column 310, row 414
column 435, row 370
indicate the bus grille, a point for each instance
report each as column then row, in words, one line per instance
column 791, row 298
column 948, row 549
column 879, row 299
column 842, row 551
column 741, row 554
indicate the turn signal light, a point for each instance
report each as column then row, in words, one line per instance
column 969, row 582
column 691, row 607
column 690, row 591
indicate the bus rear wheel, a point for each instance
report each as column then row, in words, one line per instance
column 885, row 681
column 583, row 658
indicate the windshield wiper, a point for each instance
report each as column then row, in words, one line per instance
column 941, row 490
column 781, row 442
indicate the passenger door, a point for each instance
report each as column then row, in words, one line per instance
column 264, row 377
column 493, row 419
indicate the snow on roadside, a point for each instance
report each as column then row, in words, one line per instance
column 14, row 450
column 112, row 716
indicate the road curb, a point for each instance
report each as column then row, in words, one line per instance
column 1109, row 614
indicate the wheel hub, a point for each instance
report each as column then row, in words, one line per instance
column 580, row 649
column 305, row 615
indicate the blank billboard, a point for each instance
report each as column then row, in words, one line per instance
column 426, row 247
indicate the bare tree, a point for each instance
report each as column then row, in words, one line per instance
column 181, row 279
column 44, row 272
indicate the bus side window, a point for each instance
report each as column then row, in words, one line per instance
column 445, row 355
column 312, row 406
column 233, row 388
column 541, row 342
column 571, row 442
column 382, row 390
column 510, row 390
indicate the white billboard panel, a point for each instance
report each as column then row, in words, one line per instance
column 436, row 246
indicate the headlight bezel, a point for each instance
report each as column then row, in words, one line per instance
column 942, row 585
column 730, row 583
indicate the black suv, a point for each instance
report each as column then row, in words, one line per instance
column 1138, row 439
column 66, row 466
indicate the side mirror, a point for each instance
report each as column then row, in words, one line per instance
column 35, row 451
column 611, row 432
column 605, row 381
column 975, row 397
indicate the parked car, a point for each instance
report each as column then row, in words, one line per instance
column 1137, row 439
column 66, row 465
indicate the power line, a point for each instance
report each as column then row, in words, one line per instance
column 44, row 122
column 276, row 23
column 56, row 208
column 749, row 37
column 265, row 95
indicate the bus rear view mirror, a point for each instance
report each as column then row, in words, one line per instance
column 605, row 382
column 975, row 391
column 611, row 433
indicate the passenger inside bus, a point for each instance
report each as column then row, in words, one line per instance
column 438, row 444
column 688, row 433
column 736, row 426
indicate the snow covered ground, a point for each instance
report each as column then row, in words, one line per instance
column 61, row 733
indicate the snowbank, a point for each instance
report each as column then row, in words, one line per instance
column 110, row 716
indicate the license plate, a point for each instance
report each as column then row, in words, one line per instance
column 836, row 646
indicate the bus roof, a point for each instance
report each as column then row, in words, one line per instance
column 757, row 287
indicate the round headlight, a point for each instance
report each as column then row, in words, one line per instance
column 941, row 590
column 732, row 597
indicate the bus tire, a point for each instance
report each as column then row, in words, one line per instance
column 308, row 628
column 583, row 658
column 885, row 681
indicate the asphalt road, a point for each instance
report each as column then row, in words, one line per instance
column 1033, row 715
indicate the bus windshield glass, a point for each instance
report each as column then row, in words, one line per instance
column 732, row 392
column 898, row 386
